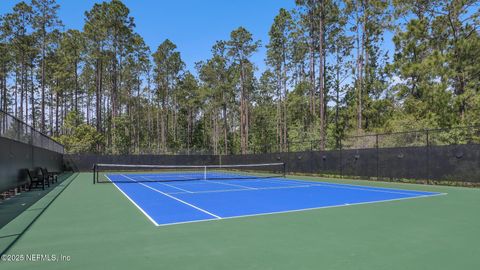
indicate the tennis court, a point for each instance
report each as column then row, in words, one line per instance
column 97, row 226
column 235, row 195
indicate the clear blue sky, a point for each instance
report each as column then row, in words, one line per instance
column 193, row 25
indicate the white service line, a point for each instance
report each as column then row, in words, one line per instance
column 184, row 190
column 233, row 185
column 175, row 198
column 243, row 189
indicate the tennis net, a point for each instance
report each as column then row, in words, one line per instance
column 128, row 173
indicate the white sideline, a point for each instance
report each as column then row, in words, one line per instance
column 134, row 203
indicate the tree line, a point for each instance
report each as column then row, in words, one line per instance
column 329, row 75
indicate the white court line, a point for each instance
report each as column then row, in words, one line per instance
column 269, row 213
column 243, row 189
column 220, row 183
column 233, row 185
column 358, row 187
column 353, row 185
column 305, row 209
column 175, row 198
column 134, row 203
column 184, row 190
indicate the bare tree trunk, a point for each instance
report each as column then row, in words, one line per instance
column 162, row 129
column 3, row 88
column 16, row 93
column 88, row 108
column 22, row 88
column 225, row 128
column 285, row 112
column 33, row 99
column 279, row 115
column 76, row 85
column 337, row 101
column 42, row 124
column 50, row 109
column 243, row 112
column 98, row 93
column 359, row 68
column 159, row 131
column 56, row 113
column 321, row 77
column 311, row 49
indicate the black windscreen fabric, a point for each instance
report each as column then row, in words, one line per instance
column 359, row 162
column 16, row 156
column 455, row 162
column 327, row 162
column 403, row 162
column 47, row 159
column 452, row 162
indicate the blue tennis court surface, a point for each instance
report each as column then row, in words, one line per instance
column 176, row 202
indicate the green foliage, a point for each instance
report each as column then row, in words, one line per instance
column 79, row 137
column 328, row 77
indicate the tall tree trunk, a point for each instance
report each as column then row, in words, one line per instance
column 159, row 131
column 75, row 65
column 57, row 101
column 16, row 92
column 88, row 107
column 321, row 75
column 337, row 101
column 50, row 110
column 243, row 112
column 360, row 44
column 279, row 115
column 311, row 49
column 284, row 86
column 42, row 81
column 22, row 89
column 98, row 92
column 4, row 89
column 225, row 127
column 162, row 127
column 33, row 99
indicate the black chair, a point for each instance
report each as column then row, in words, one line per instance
column 38, row 181
column 42, row 176
column 53, row 176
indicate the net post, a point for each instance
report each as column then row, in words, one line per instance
column 204, row 172
column 284, row 170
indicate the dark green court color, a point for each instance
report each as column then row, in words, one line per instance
column 100, row 229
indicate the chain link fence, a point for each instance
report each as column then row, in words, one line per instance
column 417, row 138
column 14, row 129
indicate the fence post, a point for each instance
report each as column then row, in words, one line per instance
column 341, row 159
column 378, row 153
column 428, row 154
